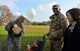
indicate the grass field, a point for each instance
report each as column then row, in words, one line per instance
column 31, row 34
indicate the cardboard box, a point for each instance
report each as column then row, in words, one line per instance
column 16, row 29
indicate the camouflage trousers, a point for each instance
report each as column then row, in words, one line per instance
column 55, row 45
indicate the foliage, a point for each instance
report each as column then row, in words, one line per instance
column 41, row 23
column 5, row 14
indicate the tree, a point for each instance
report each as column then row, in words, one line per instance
column 5, row 13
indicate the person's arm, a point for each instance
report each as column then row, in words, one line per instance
column 8, row 26
column 63, row 25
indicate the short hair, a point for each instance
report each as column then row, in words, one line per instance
column 74, row 12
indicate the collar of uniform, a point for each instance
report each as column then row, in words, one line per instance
column 52, row 17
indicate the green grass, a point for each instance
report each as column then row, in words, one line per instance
column 31, row 34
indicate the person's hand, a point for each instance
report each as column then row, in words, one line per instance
column 48, row 34
column 52, row 36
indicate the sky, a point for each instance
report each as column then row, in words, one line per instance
column 38, row 10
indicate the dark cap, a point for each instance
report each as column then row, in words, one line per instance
column 22, row 17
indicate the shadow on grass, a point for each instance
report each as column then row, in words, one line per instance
column 25, row 40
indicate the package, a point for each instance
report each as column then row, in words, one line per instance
column 16, row 29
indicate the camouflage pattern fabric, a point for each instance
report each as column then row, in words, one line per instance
column 57, row 27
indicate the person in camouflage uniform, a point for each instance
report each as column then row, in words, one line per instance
column 14, row 38
column 57, row 27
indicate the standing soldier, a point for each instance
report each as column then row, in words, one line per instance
column 57, row 27
column 15, row 30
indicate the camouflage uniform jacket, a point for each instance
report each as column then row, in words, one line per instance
column 9, row 27
column 58, row 25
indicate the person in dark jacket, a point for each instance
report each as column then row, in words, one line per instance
column 14, row 38
column 72, row 33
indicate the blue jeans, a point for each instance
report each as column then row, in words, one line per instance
column 15, row 41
